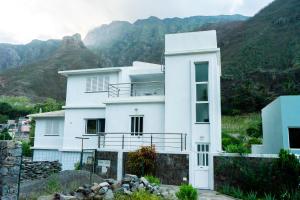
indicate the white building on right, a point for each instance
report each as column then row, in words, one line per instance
column 281, row 126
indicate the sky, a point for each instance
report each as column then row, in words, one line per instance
column 21, row 21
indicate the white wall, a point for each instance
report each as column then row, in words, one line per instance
column 118, row 120
column 75, row 127
column 41, row 139
column 76, row 91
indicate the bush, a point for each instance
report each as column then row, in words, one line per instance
column 153, row 180
column 187, row 192
column 256, row 176
column 142, row 161
column 237, row 148
column 26, row 151
column 4, row 135
column 255, row 129
column 138, row 195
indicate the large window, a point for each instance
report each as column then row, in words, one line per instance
column 95, row 126
column 294, row 138
column 201, row 80
column 137, row 125
column 97, row 83
column 52, row 127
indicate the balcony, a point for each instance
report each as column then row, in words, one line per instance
column 133, row 89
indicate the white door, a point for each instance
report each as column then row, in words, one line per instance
column 202, row 166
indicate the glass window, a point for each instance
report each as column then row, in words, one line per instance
column 52, row 127
column 97, row 83
column 294, row 138
column 202, row 154
column 202, row 113
column 201, row 92
column 137, row 125
column 201, row 72
column 95, row 126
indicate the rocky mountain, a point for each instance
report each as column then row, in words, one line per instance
column 120, row 43
column 40, row 80
column 260, row 55
column 19, row 55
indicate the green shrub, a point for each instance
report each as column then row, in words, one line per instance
column 187, row 192
column 4, row 135
column 269, row 197
column 237, row 148
column 26, row 151
column 255, row 129
column 153, row 180
column 77, row 166
column 53, row 185
column 237, row 193
column 251, row 196
column 138, row 195
column 142, row 161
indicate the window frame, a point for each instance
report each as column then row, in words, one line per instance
column 98, row 127
column 133, row 126
column 196, row 83
column 204, row 153
column 104, row 83
column 52, row 131
column 288, row 131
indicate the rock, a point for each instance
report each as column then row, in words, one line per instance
column 111, row 181
column 109, row 195
column 126, row 186
column 48, row 197
column 128, row 192
column 95, row 188
column 98, row 197
column 66, row 197
column 103, row 190
column 104, row 184
column 144, row 181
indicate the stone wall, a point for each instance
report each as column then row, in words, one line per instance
column 230, row 170
column 39, row 169
column 111, row 172
column 10, row 161
column 171, row 169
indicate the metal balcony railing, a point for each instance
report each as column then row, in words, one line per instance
column 130, row 141
column 152, row 88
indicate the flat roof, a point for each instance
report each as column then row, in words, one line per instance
column 59, row 113
column 90, row 71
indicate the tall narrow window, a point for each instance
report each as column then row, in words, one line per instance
column 202, row 103
column 137, row 125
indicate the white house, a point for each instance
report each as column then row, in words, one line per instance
column 175, row 107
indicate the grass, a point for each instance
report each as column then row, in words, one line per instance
column 239, row 124
column 240, row 132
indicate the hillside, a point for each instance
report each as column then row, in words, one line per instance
column 120, row 43
column 261, row 57
column 20, row 55
column 40, row 79
column 117, row 44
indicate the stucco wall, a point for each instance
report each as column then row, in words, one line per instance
column 41, row 139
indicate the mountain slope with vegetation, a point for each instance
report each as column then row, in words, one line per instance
column 40, row 80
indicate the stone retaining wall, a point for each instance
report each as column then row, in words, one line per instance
column 39, row 169
column 10, row 161
column 171, row 169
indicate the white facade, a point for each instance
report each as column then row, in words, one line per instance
column 176, row 107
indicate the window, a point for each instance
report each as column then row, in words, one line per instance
column 137, row 125
column 97, row 83
column 95, row 126
column 202, row 154
column 294, row 138
column 52, row 127
column 201, row 80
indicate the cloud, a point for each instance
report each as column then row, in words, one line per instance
column 24, row 20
